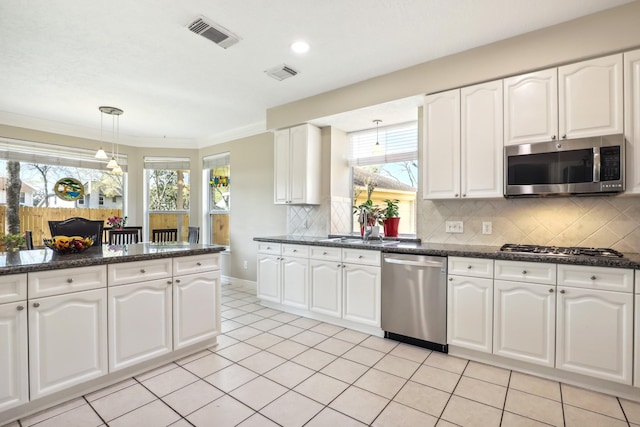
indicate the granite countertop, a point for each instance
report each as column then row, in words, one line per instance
column 413, row 246
column 46, row 259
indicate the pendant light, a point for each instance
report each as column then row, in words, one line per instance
column 100, row 154
column 377, row 148
column 115, row 115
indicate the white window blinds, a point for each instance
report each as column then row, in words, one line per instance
column 167, row 163
column 397, row 143
column 216, row 161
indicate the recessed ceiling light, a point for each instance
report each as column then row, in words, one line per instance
column 300, row 47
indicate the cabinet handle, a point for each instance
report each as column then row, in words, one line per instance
column 551, row 290
column 360, row 257
column 562, row 291
column 268, row 248
column 324, row 253
column 558, row 145
column 69, row 280
column 198, row 263
column 451, row 279
column 455, row 195
column 464, row 195
column 343, row 265
column 553, row 137
column 142, row 270
column 177, row 280
column 468, row 267
column 295, row 250
column 524, row 271
column 564, row 136
column 20, row 307
column 339, row 265
column 36, row 304
column 169, row 282
column 593, row 277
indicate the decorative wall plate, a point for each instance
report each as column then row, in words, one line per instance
column 69, row 189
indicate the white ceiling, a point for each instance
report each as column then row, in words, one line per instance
column 62, row 59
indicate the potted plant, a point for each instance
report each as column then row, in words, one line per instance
column 373, row 215
column 13, row 241
column 391, row 218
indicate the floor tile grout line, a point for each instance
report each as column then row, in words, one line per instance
column 94, row 410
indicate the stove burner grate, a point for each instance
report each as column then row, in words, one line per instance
column 559, row 250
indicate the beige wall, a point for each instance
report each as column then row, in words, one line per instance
column 613, row 30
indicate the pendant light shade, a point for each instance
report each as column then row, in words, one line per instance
column 115, row 114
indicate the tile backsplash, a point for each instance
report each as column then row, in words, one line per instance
column 563, row 221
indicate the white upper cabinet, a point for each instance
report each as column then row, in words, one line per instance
column 481, row 140
column 441, row 149
column 297, row 157
column 590, row 98
column 531, row 107
column 632, row 120
column 462, row 150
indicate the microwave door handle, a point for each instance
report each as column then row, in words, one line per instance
column 596, row 164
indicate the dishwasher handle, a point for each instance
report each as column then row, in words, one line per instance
column 438, row 264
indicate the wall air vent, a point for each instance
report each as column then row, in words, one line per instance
column 214, row 32
column 281, row 72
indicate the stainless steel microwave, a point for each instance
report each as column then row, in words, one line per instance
column 593, row 165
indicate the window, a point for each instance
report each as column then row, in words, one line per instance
column 218, row 180
column 23, row 197
column 167, row 193
column 386, row 171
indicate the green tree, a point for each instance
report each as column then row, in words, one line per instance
column 14, row 184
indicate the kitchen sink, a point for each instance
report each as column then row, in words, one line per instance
column 357, row 241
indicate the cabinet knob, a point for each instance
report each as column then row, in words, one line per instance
column 564, row 136
column 360, row 257
column 20, row 307
column 553, row 137
column 169, row 282
column 451, row 279
column 558, row 145
column 524, row 271
column 464, row 195
column 36, row 304
column 455, row 195
column 562, row 291
column 593, row 277
column 268, row 247
column 142, row 270
column 550, row 290
column 295, row 250
column 468, row 267
column 343, row 265
column 324, row 253
column 338, row 265
column 177, row 280
column 69, row 280
column 198, row 264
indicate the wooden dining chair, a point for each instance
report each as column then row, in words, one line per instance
column 194, row 235
column 124, row 236
column 28, row 239
column 164, row 235
column 77, row 226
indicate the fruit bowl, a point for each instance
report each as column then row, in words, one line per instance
column 69, row 244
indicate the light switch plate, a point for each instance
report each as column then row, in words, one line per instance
column 454, row 226
column 487, row 227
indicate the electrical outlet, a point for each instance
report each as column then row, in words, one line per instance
column 487, row 227
column 246, row 264
column 454, row 226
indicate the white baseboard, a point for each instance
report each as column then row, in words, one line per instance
column 228, row 280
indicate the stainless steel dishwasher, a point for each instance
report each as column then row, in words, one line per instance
column 414, row 299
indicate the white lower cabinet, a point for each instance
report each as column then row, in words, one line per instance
column 295, row 281
column 325, row 278
column 139, row 322
column 67, row 340
column 595, row 333
column 269, row 272
column 196, row 308
column 14, row 376
column 524, row 321
column 361, row 285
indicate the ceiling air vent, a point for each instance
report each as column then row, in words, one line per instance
column 214, row 32
column 281, row 72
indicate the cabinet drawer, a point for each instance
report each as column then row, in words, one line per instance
column 56, row 282
column 300, row 251
column 269, row 248
column 531, row 272
column 138, row 271
column 359, row 256
column 473, row 267
column 195, row 264
column 325, row 253
column 13, row 287
column 605, row 278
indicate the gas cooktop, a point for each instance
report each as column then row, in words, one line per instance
column 559, row 250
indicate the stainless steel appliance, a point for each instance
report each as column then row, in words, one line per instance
column 414, row 299
column 561, row 251
column 572, row 166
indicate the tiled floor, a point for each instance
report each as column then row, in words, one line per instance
column 273, row 368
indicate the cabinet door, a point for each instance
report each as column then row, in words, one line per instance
column 14, row 386
column 481, row 142
column 298, row 164
column 590, row 97
column 281, row 164
column 268, row 287
column 531, row 107
column 524, row 322
column 196, row 314
column 295, row 282
column 326, row 287
column 139, row 322
column 441, row 150
column 470, row 312
column 595, row 333
column 632, row 120
column 67, row 340
column 636, row 340
column 361, row 285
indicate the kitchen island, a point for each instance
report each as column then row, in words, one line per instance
column 74, row 323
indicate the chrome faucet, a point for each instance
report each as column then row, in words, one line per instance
column 363, row 219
